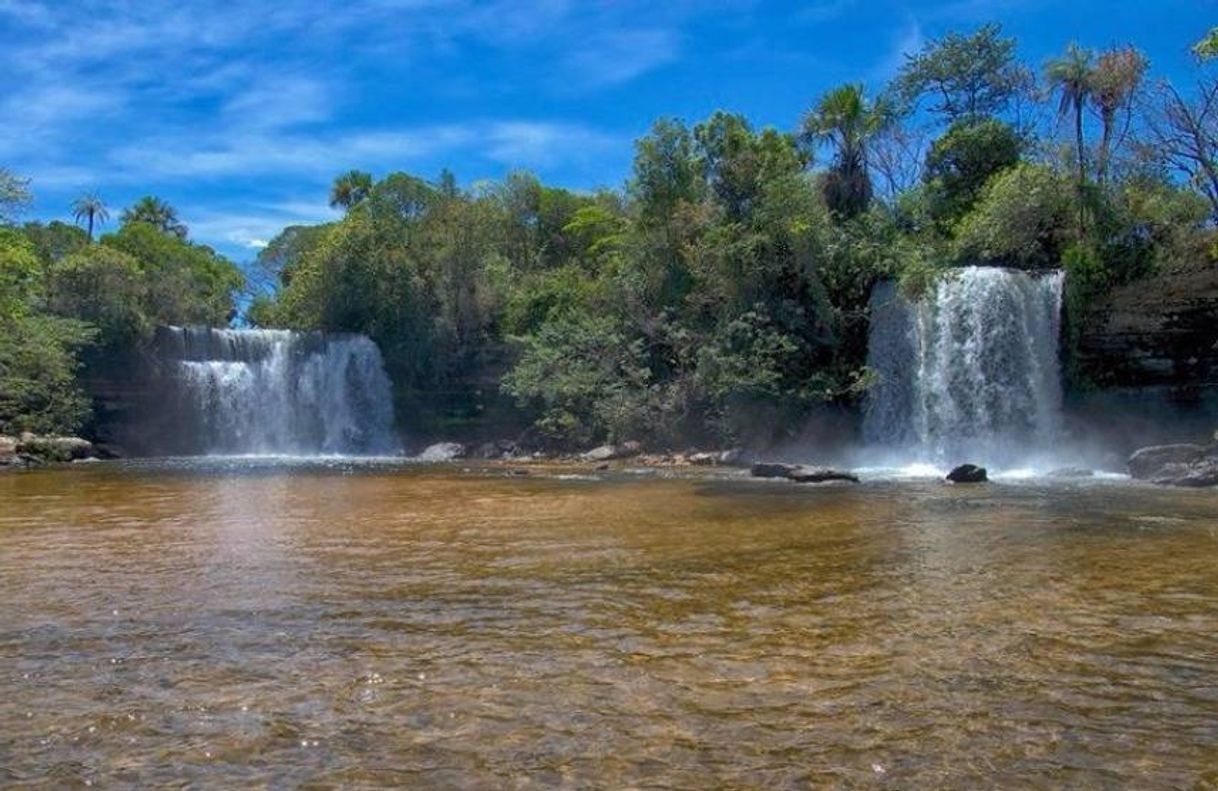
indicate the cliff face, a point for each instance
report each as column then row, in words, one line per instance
column 1162, row 332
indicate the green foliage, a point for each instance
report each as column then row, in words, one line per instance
column 105, row 288
column 960, row 163
column 186, row 283
column 1022, row 219
column 38, row 389
column 350, row 189
column 55, row 239
column 14, row 196
column 1207, row 47
column 154, row 212
column 847, row 121
column 967, row 77
column 38, row 363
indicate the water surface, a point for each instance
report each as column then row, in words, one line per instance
column 338, row 625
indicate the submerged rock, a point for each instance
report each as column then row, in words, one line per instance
column 1072, row 472
column 968, row 473
column 1176, row 465
column 772, row 470
column 820, row 475
column 443, row 451
column 800, row 474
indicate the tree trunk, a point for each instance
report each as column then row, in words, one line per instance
column 1082, row 167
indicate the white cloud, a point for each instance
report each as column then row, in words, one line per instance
column 619, row 56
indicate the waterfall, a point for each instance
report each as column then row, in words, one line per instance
column 969, row 372
column 275, row 391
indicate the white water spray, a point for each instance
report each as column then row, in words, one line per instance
column 970, row 372
column 281, row 392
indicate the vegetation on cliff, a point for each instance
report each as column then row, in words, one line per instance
column 721, row 295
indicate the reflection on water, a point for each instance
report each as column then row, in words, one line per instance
column 344, row 625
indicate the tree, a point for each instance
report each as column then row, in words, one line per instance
column 1184, row 135
column 960, row 163
column 90, row 208
column 1114, row 80
column 966, row 76
column 845, row 120
column 1071, row 77
column 1207, row 47
column 153, row 211
column 350, row 189
column 666, row 171
column 14, row 196
column 1021, row 220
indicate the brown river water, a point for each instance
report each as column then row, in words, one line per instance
column 192, row 624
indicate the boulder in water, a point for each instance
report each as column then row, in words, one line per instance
column 1176, row 465
column 35, row 449
column 968, row 473
column 1146, row 463
column 443, row 451
column 609, row 452
column 820, row 475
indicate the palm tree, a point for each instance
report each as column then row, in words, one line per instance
column 158, row 214
column 1070, row 75
column 350, row 188
column 845, row 120
column 90, row 208
column 1115, row 78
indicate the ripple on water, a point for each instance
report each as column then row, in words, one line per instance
column 358, row 624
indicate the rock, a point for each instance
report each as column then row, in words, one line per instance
column 499, row 449
column 1197, row 475
column 1071, row 472
column 53, row 449
column 772, row 470
column 820, row 475
column 443, row 451
column 715, row 458
column 1147, row 463
column 609, row 452
column 8, row 450
column 968, row 473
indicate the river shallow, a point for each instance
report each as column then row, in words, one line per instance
column 344, row 625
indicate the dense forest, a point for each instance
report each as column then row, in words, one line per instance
column 721, row 295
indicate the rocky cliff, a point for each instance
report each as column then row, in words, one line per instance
column 1158, row 332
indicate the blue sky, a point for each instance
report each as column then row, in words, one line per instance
column 241, row 113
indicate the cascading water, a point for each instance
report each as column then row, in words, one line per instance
column 280, row 392
column 970, row 372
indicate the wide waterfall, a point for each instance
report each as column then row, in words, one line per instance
column 969, row 372
column 279, row 392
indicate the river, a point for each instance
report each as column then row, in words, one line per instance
column 335, row 624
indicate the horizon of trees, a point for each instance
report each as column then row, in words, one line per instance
column 721, row 295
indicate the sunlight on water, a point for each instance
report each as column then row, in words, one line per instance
column 249, row 622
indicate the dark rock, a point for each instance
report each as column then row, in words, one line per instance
column 772, row 470
column 602, row 466
column 443, row 451
column 968, row 473
column 820, row 475
column 1148, row 463
column 1139, row 336
column 499, row 449
column 1071, row 472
